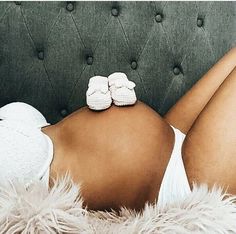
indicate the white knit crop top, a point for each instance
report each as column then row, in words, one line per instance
column 25, row 151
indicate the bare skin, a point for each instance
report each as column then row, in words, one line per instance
column 209, row 147
column 120, row 154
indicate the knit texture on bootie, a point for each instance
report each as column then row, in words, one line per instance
column 122, row 89
column 98, row 96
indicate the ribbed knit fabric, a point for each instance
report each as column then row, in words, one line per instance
column 98, row 95
column 122, row 89
column 25, row 151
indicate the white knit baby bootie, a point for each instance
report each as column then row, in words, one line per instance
column 122, row 89
column 98, row 96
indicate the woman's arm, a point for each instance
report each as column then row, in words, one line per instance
column 183, row 114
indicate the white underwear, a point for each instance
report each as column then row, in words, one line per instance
column 175, row 185
column 25, row 151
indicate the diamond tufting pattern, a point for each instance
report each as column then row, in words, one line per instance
column 49, row 50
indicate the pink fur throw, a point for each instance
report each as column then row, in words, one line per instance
column 59, row 210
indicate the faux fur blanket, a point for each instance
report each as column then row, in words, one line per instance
column 59, row 210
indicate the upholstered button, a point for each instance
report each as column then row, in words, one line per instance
column 134, row 65
column 176, row 70
column 17, row 3
column 114, row 11
column 199, row 22
column 64, row 112
column 90, row 60
column 41, row 55
column 70, row 6
column 158, row 17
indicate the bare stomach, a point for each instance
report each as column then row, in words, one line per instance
column 118, row 156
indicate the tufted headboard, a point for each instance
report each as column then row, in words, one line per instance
column 49, row 50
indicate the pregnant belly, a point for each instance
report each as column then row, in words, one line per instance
column 118, row 156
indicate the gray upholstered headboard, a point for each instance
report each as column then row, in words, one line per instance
column 49, row 50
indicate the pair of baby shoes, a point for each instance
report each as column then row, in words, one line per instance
column 116, row 88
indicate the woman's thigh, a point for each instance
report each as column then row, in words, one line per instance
column 209, row 149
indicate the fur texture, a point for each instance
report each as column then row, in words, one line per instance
column 36, row 209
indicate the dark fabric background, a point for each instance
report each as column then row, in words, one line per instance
column 49, row 50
